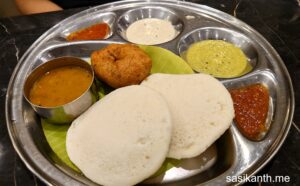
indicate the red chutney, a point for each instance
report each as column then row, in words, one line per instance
column 97, row 31
column 251, row 105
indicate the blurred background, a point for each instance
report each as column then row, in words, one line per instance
column 8, row 8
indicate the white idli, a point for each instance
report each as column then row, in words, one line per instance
column 122, row 139
column 201, row 109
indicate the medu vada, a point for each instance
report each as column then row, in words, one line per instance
column 121, row 65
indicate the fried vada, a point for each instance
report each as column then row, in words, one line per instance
column 121, row 65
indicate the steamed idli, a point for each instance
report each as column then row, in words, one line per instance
column 201, row 109
column 122, row 139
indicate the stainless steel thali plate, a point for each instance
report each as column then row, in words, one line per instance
column 233, row 154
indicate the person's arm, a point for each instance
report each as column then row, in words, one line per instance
column 36, row 6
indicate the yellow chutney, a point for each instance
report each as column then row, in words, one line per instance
column 60, row 86
column 217, row 58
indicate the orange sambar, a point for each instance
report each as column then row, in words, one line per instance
column 60, row 86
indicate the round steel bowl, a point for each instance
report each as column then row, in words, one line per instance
column 64, row 113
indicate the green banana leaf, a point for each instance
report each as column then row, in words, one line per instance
column 163, row 61
column 56, row 138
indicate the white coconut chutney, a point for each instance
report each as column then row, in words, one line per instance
column 150, row 31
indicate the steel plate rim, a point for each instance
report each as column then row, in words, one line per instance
column 9, row 121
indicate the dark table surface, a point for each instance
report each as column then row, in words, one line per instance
column 277, row 20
